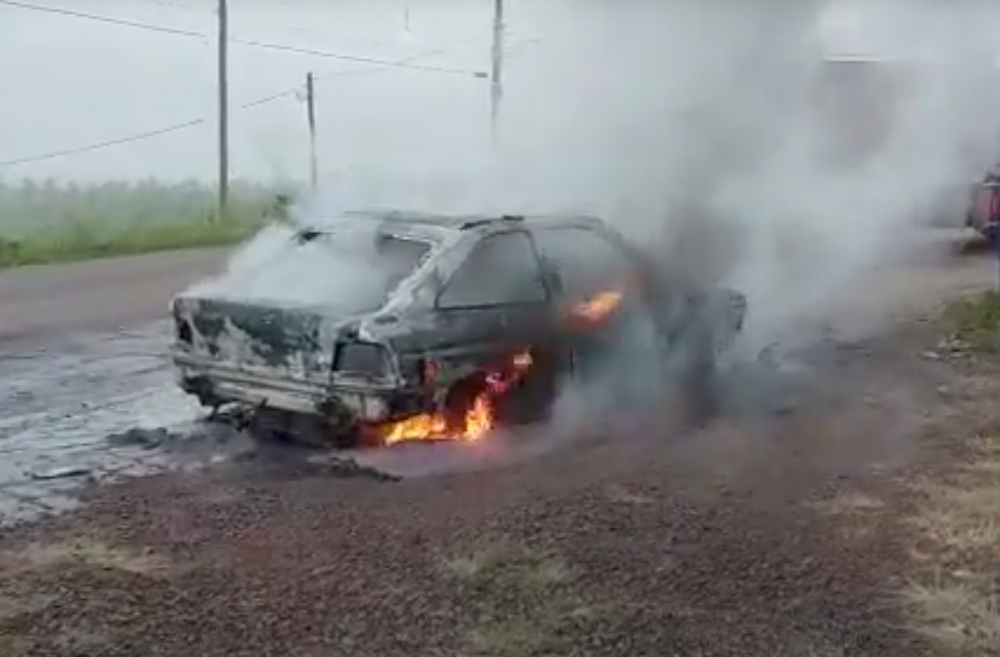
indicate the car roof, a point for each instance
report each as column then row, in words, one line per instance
column 437, row 226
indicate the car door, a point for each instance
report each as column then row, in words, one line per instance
column 495, row 302
column 594, row 297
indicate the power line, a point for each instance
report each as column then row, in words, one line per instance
column 339, row 74
column 104, row 144
column 178, row 5
column 206, row 11
column 103, row 19
column 357, row 58
column 149, row 134
column 264, row 45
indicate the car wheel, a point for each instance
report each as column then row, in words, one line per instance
column 460, row 400
column 268, row 426
column 532, row 399
column 700, row 389
column 527, row 402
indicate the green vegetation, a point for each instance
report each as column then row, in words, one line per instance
column 975, row 321
column 48, row 222
column 523, row 601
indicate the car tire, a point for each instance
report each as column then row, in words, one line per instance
column 460, row 400
column 271, row 427
column 531, row 401
column 699, row 384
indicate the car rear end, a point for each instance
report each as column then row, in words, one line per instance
column 295, row 351
column 234, row 353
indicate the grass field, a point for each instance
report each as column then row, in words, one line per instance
column 954, row 598
column 46, row 222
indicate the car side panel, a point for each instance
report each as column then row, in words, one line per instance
column 458, row 342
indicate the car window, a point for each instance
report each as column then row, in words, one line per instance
column 351, row 269
column 501, row 269
column 585, row 261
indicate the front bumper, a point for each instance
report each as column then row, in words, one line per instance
column 344, row 402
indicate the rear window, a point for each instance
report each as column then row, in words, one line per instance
column 350, row 269
column 364, row 269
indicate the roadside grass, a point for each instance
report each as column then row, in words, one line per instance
column 47, row 222
column 84, row 551
column 523, row 601
column 974, row 321
column 80, row 242
column 953, row 598
column 12, row 645
column 29, row 589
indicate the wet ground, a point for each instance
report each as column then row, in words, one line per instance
column 82, row 359
column 81, row 404
column 92, row 409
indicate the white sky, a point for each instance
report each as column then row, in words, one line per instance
column 68, row 82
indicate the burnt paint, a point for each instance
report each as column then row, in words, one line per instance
column 275, row 334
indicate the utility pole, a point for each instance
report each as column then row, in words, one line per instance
column 496, row 88
column 311, row 116
column 223, row 80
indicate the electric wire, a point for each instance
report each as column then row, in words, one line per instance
column 149, row 134
column 207, row 11
column 264, row 45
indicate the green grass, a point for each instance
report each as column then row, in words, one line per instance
column 42, row 223
column 74, row 243
column 523, row 600
column 975, row 320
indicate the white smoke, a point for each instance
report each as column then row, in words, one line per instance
column 344, row 271
column 705, row 131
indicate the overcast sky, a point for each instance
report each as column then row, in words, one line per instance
column 69, row 82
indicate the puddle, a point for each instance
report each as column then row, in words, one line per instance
column 61, row 404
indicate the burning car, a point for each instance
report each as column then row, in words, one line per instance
column 448, row 326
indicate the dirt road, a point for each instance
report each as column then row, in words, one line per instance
column 779, row 530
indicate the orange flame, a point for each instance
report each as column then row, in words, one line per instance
column 598, row 306
column 479, row 419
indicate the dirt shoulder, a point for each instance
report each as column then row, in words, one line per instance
column 764, row 534
column 44, row 302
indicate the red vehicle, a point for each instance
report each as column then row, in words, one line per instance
column 984, row 207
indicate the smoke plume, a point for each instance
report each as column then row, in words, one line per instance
column 722, row 137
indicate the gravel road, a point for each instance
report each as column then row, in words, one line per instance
column 629, row 542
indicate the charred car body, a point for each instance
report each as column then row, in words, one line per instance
column 454, row 322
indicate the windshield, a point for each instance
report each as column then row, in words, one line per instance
column 350, row 269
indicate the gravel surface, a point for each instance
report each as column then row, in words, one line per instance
column 637, row 539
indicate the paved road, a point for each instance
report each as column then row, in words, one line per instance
column 38, row 304
column 82, row 358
